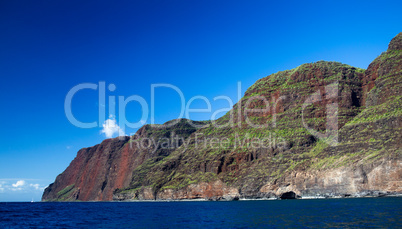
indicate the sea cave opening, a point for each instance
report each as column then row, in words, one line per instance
column 288, row 195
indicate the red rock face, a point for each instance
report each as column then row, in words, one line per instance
column 369, row 78
column 96, row 172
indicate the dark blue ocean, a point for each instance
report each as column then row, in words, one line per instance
column 318, row 213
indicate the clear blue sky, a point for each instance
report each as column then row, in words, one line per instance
column 202, row 47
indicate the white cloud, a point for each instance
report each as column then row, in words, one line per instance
column 111, row 128
column 19, row 184
column 12, row 185
column 36, row 186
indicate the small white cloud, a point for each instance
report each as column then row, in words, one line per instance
column 36, row 186
column 68, row 147
column 111, row 128
column 19, row 184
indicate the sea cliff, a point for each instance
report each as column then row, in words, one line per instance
column 331, row 130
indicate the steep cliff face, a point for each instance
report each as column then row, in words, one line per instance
column 327, row 129
column 94, row 173
column 98, row 171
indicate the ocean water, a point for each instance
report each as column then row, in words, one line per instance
column 313, row 213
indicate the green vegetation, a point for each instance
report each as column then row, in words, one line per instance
column 389, row 109
column 65, row 194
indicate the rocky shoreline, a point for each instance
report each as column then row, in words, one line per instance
column 369, row 194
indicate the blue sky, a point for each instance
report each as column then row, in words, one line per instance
column 201, row 47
